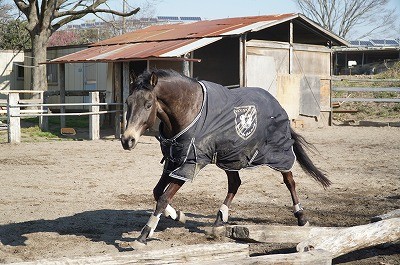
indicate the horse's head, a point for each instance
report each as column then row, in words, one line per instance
column 141, row 109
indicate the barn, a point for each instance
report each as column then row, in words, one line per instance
column 287, row 54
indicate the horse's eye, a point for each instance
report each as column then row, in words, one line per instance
column 148, row 105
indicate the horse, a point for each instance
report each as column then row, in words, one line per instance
column 204, row 123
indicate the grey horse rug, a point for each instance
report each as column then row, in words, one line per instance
column 235, row 129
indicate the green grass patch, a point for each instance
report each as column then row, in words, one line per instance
column 70, row 121
column 36, row 133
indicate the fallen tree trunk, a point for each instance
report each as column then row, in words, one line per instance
column 315, row 257
column 277, row 233
column 176, row 255
column 392, row 214
column 353, row 238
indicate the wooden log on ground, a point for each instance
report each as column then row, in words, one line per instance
column 315, row 257
column 277, row 233
column 392, row 214
column 353, row 238
column 196, row 254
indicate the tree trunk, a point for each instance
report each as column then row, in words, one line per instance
column 39, row 52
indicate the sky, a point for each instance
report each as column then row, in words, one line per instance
column 214, row 9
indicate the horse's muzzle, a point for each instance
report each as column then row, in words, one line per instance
column 128, row 143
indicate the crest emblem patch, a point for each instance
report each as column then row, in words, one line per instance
column 245, row 121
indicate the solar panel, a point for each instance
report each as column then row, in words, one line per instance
column 385, row 42
column 191, row 18
column 374, row 42
column 360, row 43
column 167, row 18
column 392, row 42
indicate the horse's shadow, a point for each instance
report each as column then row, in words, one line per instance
column 104, row 225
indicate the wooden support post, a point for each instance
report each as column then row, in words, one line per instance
column 291, row 52
column 186, row 65
column 94, row 119
column 117, row 98
column 62, row 94
column 44, row 120
column 242, row 60
column 14, row 120
column 125, row 91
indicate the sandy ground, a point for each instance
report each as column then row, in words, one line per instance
column 77, row 198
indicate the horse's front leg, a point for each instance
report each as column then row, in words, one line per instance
column 233, row 186
column 169, row 211
column 297, row 209
column 162, row 203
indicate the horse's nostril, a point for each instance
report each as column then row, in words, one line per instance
column 131, row 143
column 127, row 142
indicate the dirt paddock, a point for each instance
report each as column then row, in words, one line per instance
column 77, row 198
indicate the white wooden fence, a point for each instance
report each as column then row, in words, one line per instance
column 16, row 109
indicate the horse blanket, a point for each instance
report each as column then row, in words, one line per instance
column 235, row 129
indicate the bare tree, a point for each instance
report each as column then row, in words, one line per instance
column 44, row 17
column 346, row 16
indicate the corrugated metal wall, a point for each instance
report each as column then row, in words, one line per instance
column 304, row 91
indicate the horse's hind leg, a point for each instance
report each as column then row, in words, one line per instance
column 233, row 186
column 297, row 209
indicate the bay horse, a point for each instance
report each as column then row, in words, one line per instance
column 204, row 123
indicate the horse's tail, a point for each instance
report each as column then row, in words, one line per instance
column 305, row 162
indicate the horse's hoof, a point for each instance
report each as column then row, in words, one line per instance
column 307, row 224
column 136, row 245
column 218, row 231
column 181, row 217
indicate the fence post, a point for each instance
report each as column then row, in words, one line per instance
column 94, row 119
column 43, row 120
column 14, row 120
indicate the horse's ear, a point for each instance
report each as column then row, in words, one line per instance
column 132, row 77
column 153, row 79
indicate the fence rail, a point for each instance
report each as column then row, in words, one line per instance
column 14, row 113
column 381, row 100
column 366, row 89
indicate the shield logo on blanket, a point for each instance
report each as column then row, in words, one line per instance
column 245, row 121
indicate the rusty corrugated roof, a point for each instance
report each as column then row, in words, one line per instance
column 199, row 29
column 174, row 40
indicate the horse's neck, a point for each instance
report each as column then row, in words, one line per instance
column 178, row 105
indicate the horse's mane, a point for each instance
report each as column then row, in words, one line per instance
column 143, row 80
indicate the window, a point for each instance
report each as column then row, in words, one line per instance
column 20, row 72
column 52, row 73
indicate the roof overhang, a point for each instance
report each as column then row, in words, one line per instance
column 164, row 50
column 174, row 41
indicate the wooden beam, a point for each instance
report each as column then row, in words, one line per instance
column 315, row 257
column 392, row 214
column 276, row 233
column 353, row 238
column 195, row 254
